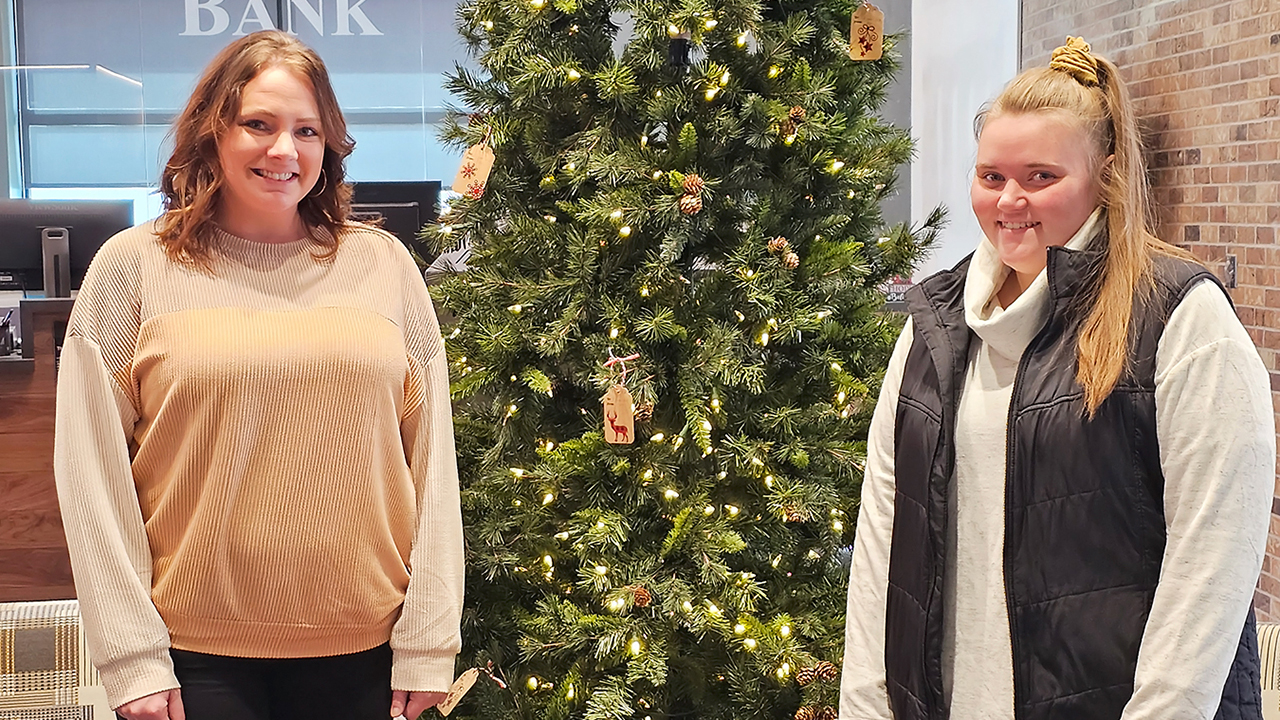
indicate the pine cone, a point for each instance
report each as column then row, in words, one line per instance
column 644, row 412
column 806, row 676
column 642, row 597
column 793, row 514
column 787, row 127
column 828, row 713
column 779, row 244
column 797, row 114
column 791, row 261
column 690, row 204
column 826, row 671
column 693, row 185
column 806, row 712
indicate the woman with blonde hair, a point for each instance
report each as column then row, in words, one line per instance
column 1070, row 468
column 254, row 449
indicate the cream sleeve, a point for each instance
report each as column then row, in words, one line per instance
column 863, row 691
column 110, row 557
column 1216, row 431
column 427, row 637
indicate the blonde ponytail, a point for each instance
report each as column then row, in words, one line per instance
column 1087, row 88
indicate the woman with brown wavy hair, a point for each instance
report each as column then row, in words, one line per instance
column 1070, row 468
column 254, row 449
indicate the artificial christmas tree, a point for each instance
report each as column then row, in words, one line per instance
column 692, row 218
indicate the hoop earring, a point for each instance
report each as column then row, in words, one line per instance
column 324, row 178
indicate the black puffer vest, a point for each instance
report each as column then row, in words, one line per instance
column 1084, row 523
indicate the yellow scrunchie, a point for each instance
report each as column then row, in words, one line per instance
column 1077, row 60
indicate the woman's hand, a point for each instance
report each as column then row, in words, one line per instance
column 165, row 705
column 412, row 704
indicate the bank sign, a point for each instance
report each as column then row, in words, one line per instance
column 205, row 18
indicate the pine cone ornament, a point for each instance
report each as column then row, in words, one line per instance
column 806, row 712
column 642, row 597
column 779, row 244
column 828, row 713
column 787, row 127
column 693, row 184
column 690, row 204
column 791, row 261
column 826, row 671
column 806, row 676
column 797, row 114
column 644, row 411
column 793, row 514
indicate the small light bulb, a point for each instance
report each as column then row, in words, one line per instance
column 488, row 24
column 706, row 424
column 715, row 403
column 776, row 561
column 835, row 365
column 722, row 475
column 635, row 647
column 533, row 681
column 709, row 510
column 549, row 218
column 616, row 604
column 733, row 510
column 764, row 338
column 548, row 499
column 740, row 628
column 785, row 631
column 515, row 308
column 768, row 481
column 711, row 93
column 671, row 494
column 551, row 445
column 757, row 462
column 602, row 570
column 715, row 609
column 616, row 214
column 788, row 140
column 546, row 560
column 657, row 174
column 687, row 606
column 518, row 472
column 774, row 71
column 625, row 231
column 613, row 332
column 742, row 40
column 658, row 437
column 538, row 4
column 648, row 474
column 750, row 643
column 644, row 140
column 783, row 671
column 562, row 536
column 446, row 229
column 574, row 75
column 840, row 396
column 571, row 166
column 836, row 165
column 837, row 526
column 724, row 78
column 600, row 525
column 710, row 24
column 673, row 31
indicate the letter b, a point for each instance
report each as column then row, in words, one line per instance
column 221, row 21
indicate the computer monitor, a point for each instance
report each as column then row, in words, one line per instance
column 46, row 245
column 400, row 208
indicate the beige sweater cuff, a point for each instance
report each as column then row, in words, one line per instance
column 421, row 671
column 138, row 676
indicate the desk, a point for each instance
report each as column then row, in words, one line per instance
column 33, row 550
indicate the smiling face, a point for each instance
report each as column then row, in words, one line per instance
column 270, row 156
column 1034, row 186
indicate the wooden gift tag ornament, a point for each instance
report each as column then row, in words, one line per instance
column 472, row 176
column 619, row 417
column 866, row 33
column 457, row 691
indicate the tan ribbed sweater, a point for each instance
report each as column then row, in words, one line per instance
column 258, row 461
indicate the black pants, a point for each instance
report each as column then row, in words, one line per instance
column 342, row 687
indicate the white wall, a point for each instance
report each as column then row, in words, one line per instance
column 962, row 54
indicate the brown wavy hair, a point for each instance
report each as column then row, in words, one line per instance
column 1105, row 112
column 191, row 182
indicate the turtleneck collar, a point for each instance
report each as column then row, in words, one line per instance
column 1009, row 330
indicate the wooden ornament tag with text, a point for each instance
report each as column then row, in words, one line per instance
column 457, row 691
column 866, row 33
column 473, row 174
column 619, row 417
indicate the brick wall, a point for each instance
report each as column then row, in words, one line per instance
column 1206, row 78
